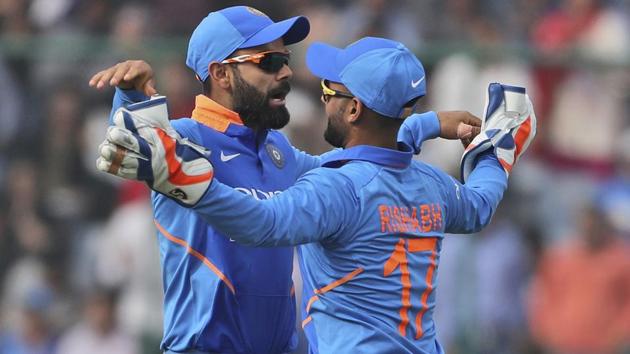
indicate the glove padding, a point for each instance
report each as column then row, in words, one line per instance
column 508, row 127
column 142, row 145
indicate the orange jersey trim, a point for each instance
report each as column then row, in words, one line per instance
column 196, row 254
column 331, row 286
column 306, row 321
column 214, row 115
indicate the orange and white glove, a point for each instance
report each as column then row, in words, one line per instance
column 508, row 127
column 142, row 145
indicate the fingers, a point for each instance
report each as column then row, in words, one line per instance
column 464, row 131
column 126, row 75
column 124, row 171
column 124, row 138
column 149, row 88
column 471, row 119
column 117, row 161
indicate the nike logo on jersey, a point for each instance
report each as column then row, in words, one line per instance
column 415, row 84
column 226, row 158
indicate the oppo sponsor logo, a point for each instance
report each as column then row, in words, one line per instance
column 257, row 193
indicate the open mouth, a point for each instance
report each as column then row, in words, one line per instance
column 278, row 99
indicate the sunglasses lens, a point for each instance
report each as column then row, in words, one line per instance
column 273, row 62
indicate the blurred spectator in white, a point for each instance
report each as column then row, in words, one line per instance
column 98, row 332
column 34, row 335
column 460, row 81
column 127, row 257
column 579, row 301
column 580, row 108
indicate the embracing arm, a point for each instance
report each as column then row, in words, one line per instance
column 317, row 207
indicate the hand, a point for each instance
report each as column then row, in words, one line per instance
column 130, row 74
column 460, row 125
column 508, row 128
column 142, row 145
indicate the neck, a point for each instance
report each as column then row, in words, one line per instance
column 378, row 139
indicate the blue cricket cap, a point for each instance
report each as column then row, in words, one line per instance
column 383, row 74
column 223, row 32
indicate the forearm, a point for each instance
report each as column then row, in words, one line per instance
column 481, row 194
column 287, row 219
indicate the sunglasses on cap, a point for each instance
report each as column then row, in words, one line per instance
column 270, row 61
column 327, row 92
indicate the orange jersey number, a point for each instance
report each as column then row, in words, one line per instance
column 399, row 259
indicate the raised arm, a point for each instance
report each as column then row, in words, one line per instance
column 508, row 128
column 133, row 80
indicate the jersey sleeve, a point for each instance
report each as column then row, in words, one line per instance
column 123, row 98
column 470, row 206
column 417, row 128
column 318, row 207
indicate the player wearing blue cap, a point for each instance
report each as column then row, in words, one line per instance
column 220, row 296
column 370, row 221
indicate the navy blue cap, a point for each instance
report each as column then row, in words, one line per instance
column 223, row 32
column 383, row 74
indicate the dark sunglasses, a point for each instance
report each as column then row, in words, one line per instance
column 270, row 61
column 327, row 92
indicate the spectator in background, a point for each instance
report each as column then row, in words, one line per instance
column 571, row 94
column 34, row 335
column 98, row 332
column 121, row 264
column 614, row 194
column 580, row 295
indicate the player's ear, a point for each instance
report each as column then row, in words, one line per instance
column 354, row 109
column 219, row 74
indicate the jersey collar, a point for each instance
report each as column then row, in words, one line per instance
column 377, row 155
column 214, row 115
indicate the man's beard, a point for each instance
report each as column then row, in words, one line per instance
column 335, row 133
column 253, row 105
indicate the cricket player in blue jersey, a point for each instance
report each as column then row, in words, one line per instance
column 370, row 221
column 220, row 296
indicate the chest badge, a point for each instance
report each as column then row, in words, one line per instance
column 275, row 154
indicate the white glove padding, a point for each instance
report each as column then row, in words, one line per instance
column 508, row 127
column 142, row 145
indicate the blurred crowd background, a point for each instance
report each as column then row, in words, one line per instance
column 79, row 265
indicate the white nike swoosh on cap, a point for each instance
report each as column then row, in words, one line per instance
column 226, row 158
column 415, row 84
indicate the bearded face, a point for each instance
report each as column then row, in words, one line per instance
column 255, row 107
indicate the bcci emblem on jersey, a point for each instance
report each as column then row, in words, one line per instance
column 276, row 155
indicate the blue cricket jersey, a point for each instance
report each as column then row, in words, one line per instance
column 220, row 296
column 371, row 224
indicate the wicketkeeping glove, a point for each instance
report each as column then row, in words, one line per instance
column 142, row 145
column 508, row 127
